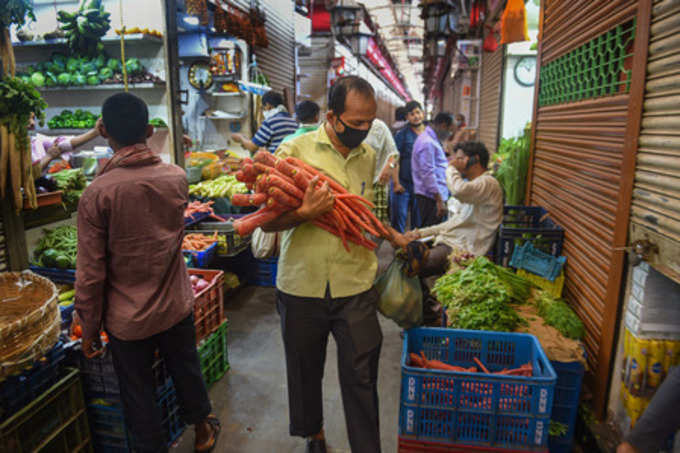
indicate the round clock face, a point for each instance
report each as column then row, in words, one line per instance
column 200, row 76
column 525, row 71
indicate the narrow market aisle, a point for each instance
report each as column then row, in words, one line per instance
column 251, row 400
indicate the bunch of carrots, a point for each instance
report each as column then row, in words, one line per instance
column 280, row 185
column 422, row 362
column 197, row 242
column 196, row 207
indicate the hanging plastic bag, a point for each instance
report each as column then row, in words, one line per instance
column 264, row 245
column 401, row 297
column 490, row 42
column 514, row 23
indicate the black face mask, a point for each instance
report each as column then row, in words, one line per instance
column 351, row 137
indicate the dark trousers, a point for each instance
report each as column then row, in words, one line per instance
column 401, row 205
column 133, row 361
column 427, row 212
column 660, row 420
column 306, row 324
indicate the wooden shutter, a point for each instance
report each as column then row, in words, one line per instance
column 490, row 98
column 587, row 113
column 656, row 197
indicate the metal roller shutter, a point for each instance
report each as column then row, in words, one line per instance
column 583, row 146
column 656, row 197
column 490, row 98
column 278, row 60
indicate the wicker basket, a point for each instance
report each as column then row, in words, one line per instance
column 29, row 320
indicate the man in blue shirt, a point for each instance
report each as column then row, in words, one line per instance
column 277, row 125
column 428, row 168
column 402, row 200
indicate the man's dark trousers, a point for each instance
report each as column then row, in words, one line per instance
column 133, row 361
column 353, row 321
column 427, row 212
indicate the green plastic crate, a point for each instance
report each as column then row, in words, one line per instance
column 212, row 353
column 54, row 422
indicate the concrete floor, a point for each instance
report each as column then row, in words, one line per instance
column 251, row 400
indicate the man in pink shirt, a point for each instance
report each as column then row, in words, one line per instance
column 131, row 278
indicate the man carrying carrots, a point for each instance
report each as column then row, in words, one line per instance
column 131, row 279
column 321, row 287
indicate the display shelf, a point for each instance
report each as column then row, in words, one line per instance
column 112, row 86
column 46, row 199
column 137, row 37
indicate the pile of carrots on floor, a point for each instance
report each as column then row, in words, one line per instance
column 280, row 185
column 197, row 242
column 421, row 361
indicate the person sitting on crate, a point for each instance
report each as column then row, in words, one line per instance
column 131, row 278
column 473, row 230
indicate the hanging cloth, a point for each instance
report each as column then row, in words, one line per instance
column 514, row 23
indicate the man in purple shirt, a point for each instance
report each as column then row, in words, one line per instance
column 428, row 168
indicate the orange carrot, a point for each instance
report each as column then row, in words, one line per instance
column 481, row 365
column 283, row 198
column 287, row 187
column 265, row 158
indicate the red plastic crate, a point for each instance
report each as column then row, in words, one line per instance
column 209, row 303
column 417, row 446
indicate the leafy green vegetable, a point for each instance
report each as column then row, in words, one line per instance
column 513, row 170
column 557, row 429
column 556, row 313
column 78, row 79
column 64, row 78
column 72, row 64
column 157, row 122
column 133, row 66
column 18, row 100
column 479, row 296
column 114, row 64
column 15, row 12
column 38, row 79
column 105, row 73
column 93, row 80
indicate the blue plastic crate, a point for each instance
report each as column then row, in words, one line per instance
column 110, row 432
column 523, row 224
column 197, row 217
column 100, row 379
column 204, row 258
column 476, row 409
column 19, row 390
column 65, row 276
column 531, row 259
column 66, row 316
column 565, row 402
column 263, row 272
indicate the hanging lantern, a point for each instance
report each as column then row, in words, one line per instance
column 359, row 43
column 438, row 17
column 345, row 18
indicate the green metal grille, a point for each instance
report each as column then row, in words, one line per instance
column 600, row 67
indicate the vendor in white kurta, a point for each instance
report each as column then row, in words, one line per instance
column 386, row 165
column 473, row 230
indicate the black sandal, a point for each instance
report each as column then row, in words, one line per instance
column 217, row 427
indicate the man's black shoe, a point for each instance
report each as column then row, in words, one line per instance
column 316, row 446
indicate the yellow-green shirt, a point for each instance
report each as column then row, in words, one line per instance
column 312, row 258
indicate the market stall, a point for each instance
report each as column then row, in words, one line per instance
column 69, row 57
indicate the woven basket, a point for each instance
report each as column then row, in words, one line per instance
column 29, row 320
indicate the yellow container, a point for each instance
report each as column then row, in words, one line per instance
column 553, row 288
column 639, row 357
column 655, row 364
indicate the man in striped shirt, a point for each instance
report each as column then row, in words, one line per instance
column 277, row 125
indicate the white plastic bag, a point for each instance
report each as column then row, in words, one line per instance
column 401, row 297
column 264, row 244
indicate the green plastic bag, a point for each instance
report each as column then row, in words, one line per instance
column 401, row 297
